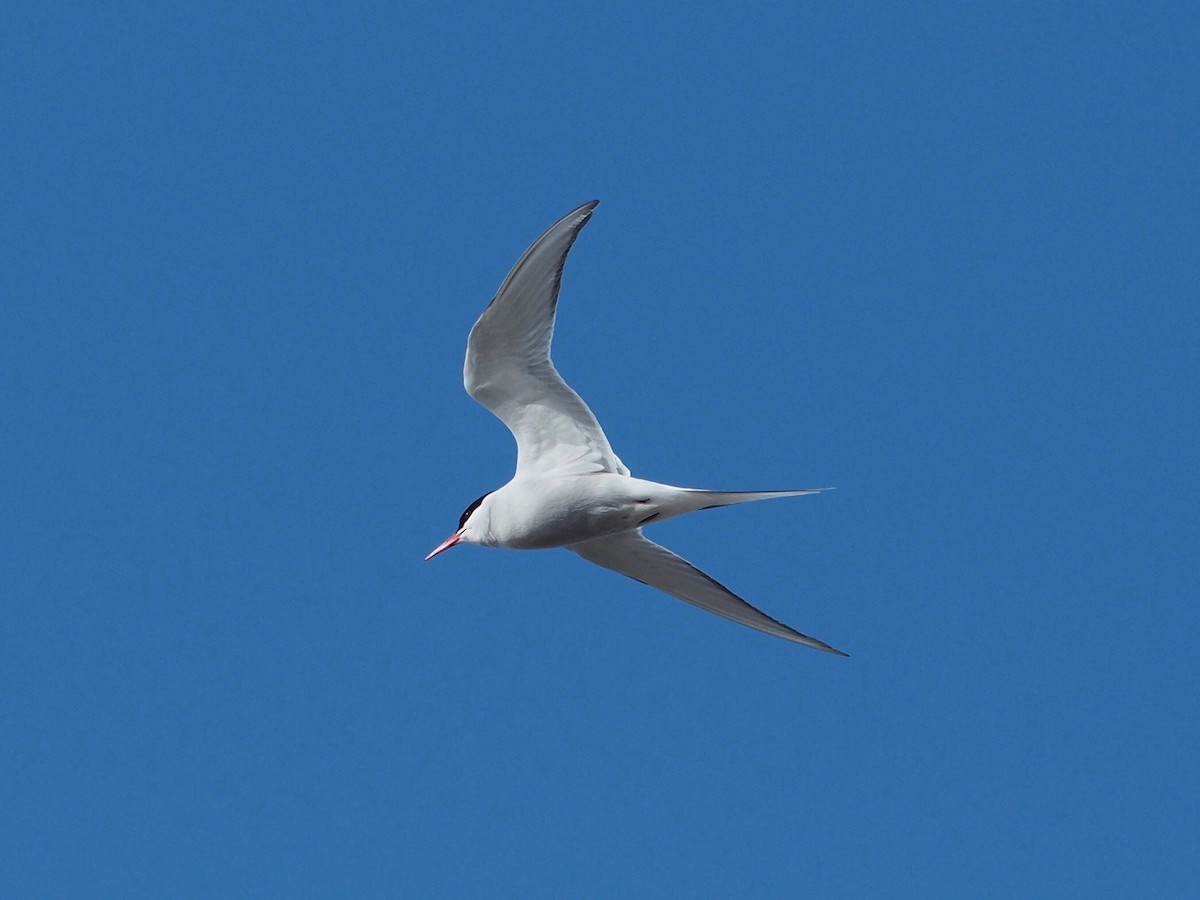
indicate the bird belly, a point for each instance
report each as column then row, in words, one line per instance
column 572, row 509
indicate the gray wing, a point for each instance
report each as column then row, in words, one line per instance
column 629, row 553
column 508, row 367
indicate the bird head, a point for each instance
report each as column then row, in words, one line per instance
column 472, row 525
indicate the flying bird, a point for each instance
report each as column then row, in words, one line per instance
column 570, row 489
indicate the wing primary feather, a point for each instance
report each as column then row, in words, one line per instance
column 633, row 555
column 508, row 368
column 585, row 211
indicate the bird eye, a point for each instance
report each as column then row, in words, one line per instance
column 470, row 509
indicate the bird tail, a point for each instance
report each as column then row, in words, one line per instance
column 709, row 499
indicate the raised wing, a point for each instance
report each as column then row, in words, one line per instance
column 508, row 367
column 629, row 553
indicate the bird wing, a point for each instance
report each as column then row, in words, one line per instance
column 629, row 553
column 508, row 367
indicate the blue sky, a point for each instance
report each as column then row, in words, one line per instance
column 944, row 258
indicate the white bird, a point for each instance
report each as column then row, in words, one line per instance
column 570, row 489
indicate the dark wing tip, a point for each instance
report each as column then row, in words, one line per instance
column 814, row 643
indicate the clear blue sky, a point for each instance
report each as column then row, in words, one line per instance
column 946, row 260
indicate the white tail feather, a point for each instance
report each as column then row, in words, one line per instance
column 711, row 499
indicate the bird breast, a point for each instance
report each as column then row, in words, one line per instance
column 537, row 513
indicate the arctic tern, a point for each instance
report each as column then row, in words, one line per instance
column 570, row 489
